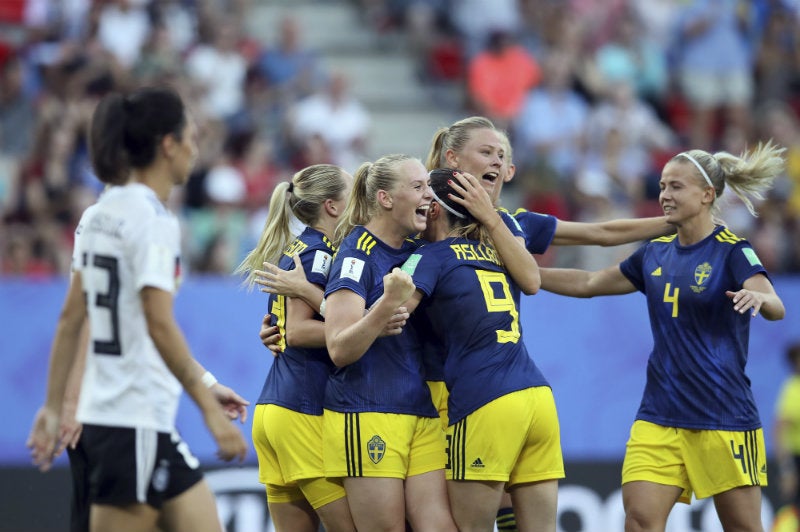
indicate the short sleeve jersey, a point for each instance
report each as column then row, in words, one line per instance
column 539, row 230
column 432, row 355
column 298, row 376
column 696, row 372
column 127, row 241
column 472, row 305
column 388, row 377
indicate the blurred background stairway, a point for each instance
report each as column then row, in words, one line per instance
column 381, row 70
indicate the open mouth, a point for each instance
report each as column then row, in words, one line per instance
column 491, row 177
column 422, row 210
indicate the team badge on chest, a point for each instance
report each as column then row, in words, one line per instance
column 701, row 275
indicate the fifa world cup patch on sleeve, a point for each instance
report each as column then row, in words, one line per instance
column 751, row 256
column 160, row 259
column 352, row 268
column 322, row 263
column 410, row 265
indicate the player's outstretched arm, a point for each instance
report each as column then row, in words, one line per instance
column 582, row 283
column 611, row 232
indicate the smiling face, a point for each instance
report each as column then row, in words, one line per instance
column 482, row 157
column 683, row 195
column 411, row 197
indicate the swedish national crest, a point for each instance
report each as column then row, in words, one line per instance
column 376, row 447
column 701, row 275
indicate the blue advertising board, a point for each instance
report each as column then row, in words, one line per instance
column 593, row 352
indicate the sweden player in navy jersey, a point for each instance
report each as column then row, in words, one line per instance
column 697, row 430
column 475, row 146
column 287, row 424
column 494, row 385
column 381, row 434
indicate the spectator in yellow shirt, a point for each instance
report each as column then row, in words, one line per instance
column 787, row 432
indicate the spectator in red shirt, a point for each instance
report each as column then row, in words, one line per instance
column 499, row 77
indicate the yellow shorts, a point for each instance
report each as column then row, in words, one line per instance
column 515, row 439
column 439, row 395
column 377, row 444
column 703, row 462
column 289, row 449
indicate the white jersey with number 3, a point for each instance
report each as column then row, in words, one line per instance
column 125, row 242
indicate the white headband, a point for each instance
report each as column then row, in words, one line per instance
column 702, row 172
column 446, row 206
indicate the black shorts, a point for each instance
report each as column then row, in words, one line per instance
column 79, row 505
column 130, row 466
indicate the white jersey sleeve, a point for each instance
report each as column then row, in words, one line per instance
column 155, row 254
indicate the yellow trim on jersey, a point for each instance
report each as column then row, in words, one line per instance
column 366, row 242
column 295, row 248
column 726, row 236
column 279, row 310
column 328, row 243
column 668, row 238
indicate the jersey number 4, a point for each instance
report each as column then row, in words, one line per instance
column 672, row 297
column 505, row 303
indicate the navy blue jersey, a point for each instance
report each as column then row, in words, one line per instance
column 298, row 375
column 389, row 376
column 472, row 305
column 696, row 372
column 511, row 223
column 432, row 350
column 539, row 230
column 430, row 344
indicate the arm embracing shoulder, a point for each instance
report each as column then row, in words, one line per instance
column 347, row 328
column 582, row 283
column 302, row 329
column 610, row 233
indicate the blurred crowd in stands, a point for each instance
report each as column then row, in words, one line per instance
column 596, row 95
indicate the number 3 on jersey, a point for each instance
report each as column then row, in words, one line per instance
column 672, row 298
column 109, row 301
column 500, row 304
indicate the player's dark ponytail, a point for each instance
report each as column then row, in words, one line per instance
column 126, row 130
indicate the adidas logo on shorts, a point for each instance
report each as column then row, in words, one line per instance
column 477, row 463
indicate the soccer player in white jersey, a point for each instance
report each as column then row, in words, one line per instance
column 141, row 474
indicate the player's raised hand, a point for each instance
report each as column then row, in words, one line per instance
column 275, row 280
column 398, row 286
column 745, row 299
column 468, row 191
